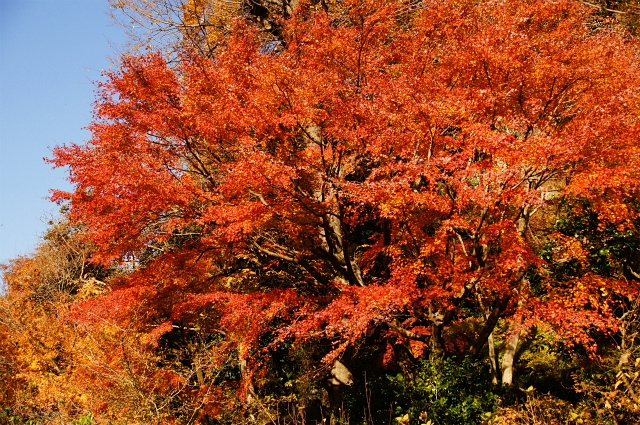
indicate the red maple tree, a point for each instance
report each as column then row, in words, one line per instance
column 379, row 165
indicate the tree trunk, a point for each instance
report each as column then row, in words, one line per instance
column 492, row 360
column 512, row 345
column 509, row 355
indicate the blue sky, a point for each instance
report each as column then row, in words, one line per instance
column 51, row 51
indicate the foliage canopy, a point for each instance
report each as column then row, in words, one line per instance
column 412, row 176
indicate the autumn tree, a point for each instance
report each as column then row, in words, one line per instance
column 36, row 342
column 386, row 169
column 57, row 369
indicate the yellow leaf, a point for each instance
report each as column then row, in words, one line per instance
column 403, row 419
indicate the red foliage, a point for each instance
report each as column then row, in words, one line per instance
column 392, row 162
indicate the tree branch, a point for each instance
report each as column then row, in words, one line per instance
column 396, row 326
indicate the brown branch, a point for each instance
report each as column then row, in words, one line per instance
column 273, row 254
column 259, row 196
column 490, row 324
column 396, row 326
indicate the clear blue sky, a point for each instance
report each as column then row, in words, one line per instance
column 51, row 51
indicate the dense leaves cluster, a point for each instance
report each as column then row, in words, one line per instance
column 386, row 180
